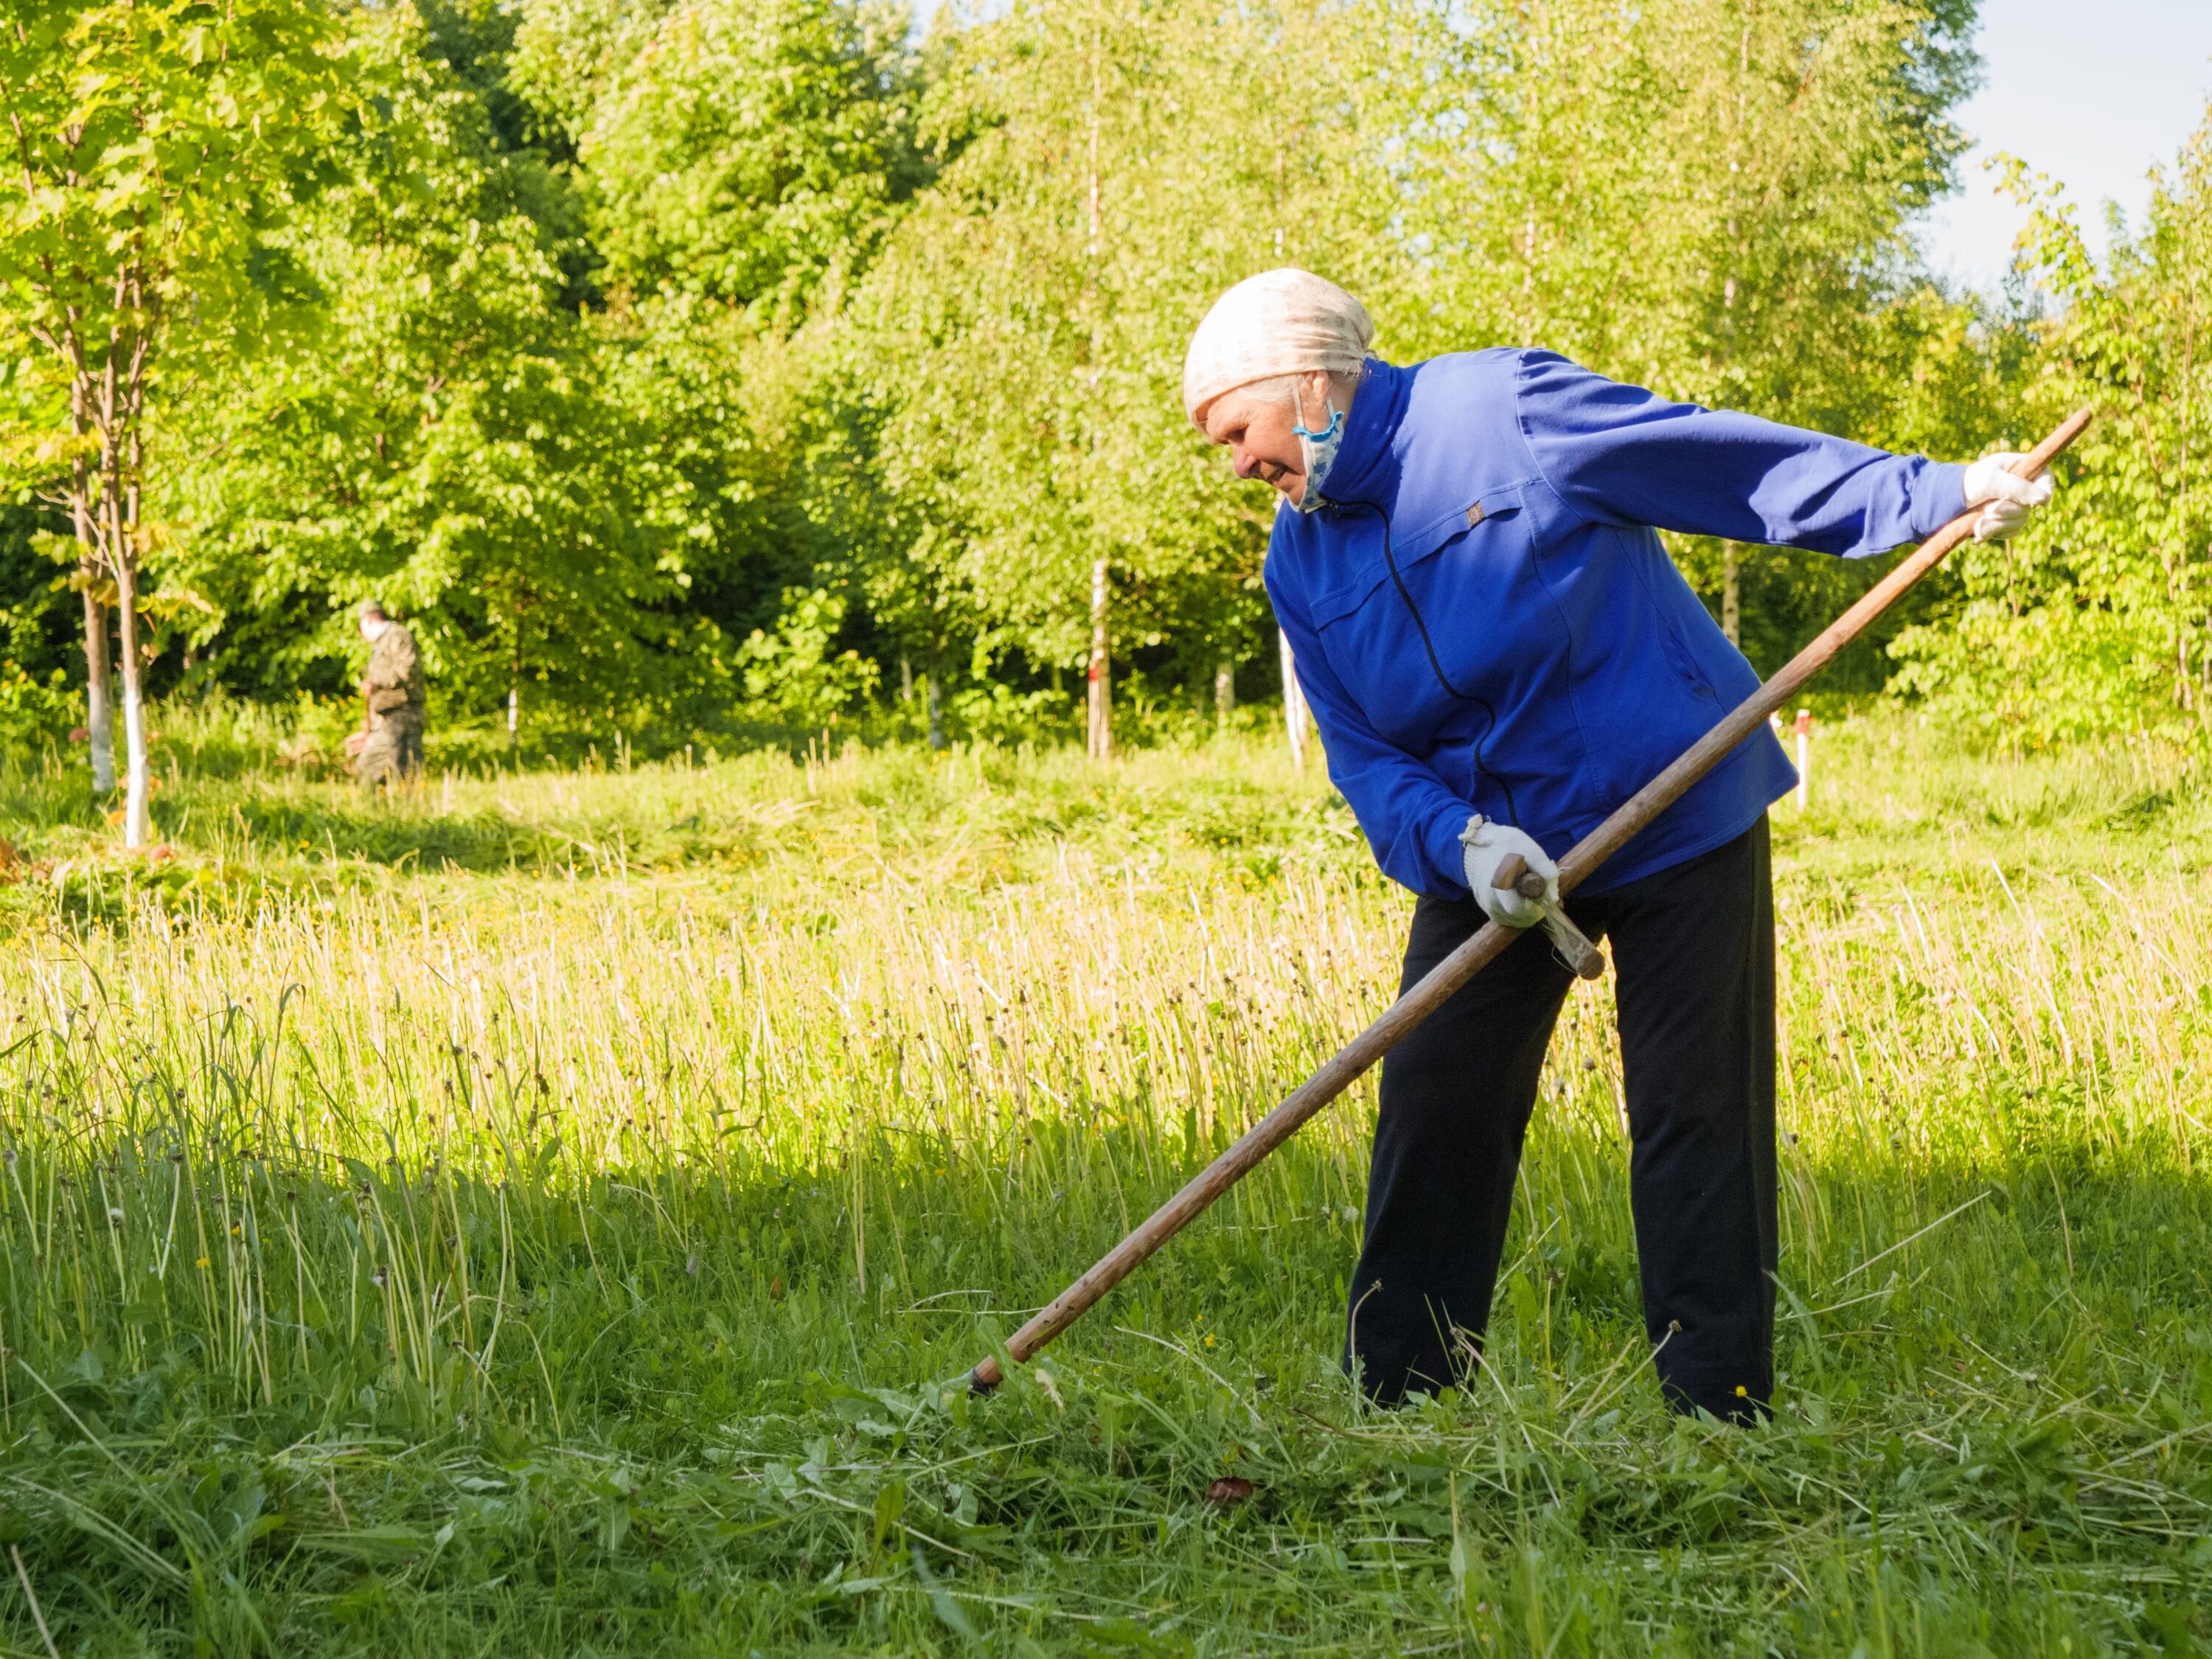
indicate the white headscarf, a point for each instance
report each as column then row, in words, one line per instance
column 1280, row 322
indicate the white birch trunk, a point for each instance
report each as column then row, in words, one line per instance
column 99, row 697
column 1101, row 744
column 1294, row 703
column 134, row 706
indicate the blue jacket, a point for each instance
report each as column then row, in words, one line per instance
column 1517, row 495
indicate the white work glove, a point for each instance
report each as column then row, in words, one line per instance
column 1487, row 845
column 2005, row 498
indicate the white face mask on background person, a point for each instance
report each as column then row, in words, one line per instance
column 1316, row 449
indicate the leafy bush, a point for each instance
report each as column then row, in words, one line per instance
column 796, row 673
column 35, row 712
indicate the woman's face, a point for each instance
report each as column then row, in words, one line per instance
column 1256, row 424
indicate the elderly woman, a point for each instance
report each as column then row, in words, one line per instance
column 1499, row 652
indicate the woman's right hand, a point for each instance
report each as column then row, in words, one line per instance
column 1488, row 845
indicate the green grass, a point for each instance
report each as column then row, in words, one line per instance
column 547, row 1216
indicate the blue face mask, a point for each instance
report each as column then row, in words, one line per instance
column 1317, row 449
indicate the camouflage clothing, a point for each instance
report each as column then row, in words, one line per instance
column 394, row 752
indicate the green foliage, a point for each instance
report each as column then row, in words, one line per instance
column 796, row 674
column 34, row 710
column 1711, row 203
column 446, row 440
column 749, row 150
column 585, row 331
column 1711, row 200
column 42, row 612
column 1110, row 171
column 591, row 509
column 153, row 143
column 2100, row 618
column 1707, row 198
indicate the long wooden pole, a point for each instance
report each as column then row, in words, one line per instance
column 1489, row 940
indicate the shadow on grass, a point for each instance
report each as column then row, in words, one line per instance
column 339, row 825
column 281, row 1399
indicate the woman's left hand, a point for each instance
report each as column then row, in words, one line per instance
column 2006, row 499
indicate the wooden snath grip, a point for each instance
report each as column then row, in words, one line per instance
column 1574, row 945
column 1437, row 986
column 1513, row 875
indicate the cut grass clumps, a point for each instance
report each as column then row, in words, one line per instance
column 577, row 1248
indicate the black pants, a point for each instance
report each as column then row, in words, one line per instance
column 1693, row 956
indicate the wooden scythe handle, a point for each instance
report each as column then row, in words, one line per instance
column 1455, row 970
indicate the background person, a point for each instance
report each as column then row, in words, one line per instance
column 1499, row 653
column 388, row 748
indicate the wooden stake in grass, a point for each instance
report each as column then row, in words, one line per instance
column 1294, row 701
column 1436, row 986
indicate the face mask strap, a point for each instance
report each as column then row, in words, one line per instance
column 1318, row 448
column 1299, row 416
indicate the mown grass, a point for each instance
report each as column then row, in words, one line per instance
column 549, row 1214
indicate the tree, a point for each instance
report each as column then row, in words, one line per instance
column 740, row 165
column 447, row 436
column 2099, row 617
column 1824, row 129
column 1110, row 167
column 749, row 152
column 154, row 142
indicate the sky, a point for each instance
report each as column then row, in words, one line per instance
column 2093, row 96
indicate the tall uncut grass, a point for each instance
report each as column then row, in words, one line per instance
column 548, row 1213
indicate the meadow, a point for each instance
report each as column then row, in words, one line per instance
column 551, row 1213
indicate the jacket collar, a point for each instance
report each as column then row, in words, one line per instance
column 1365, row 469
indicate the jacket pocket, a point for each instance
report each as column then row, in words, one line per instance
column 1409, row 550
column 1669, row 591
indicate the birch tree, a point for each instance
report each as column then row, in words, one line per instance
column 1708, row 196
column 153, row 142
column 1108, row 168
column 1809, row 134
